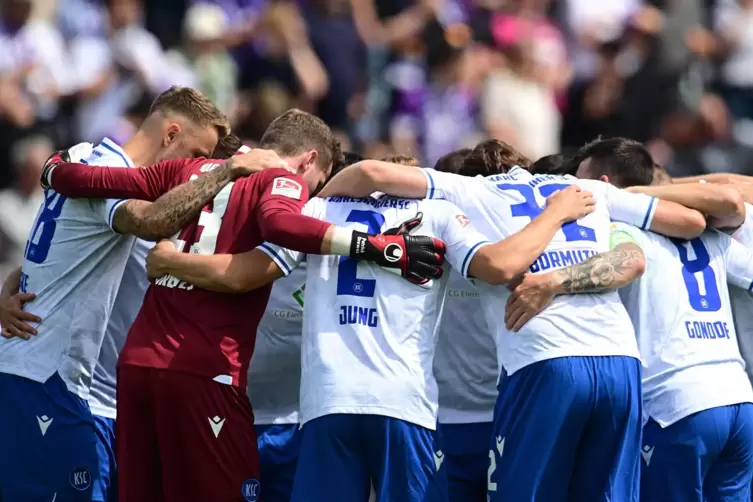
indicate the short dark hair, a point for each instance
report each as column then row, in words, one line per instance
column 227, row 147
column 492, row 157
column 453, row 161
column 626, row 162
column 296, row 131
column 556, row 164
column 661, row 176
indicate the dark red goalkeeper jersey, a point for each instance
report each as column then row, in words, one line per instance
column 181, row 327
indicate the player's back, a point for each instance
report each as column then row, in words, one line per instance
column 680, row 308
column 73, row 262
column 274, row 375
column 369, row 335
column 192, row 330
column 575, row 325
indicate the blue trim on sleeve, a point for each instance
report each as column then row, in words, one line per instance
column 430, row 190
column 750, row 288
column 276, row 258
column 112, row 211
column 106, row 144
column 648, row 213
column 469, row 255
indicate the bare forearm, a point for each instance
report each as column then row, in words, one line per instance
column 721, row 203
column 369, row 176
column 605, row 271
column 10, row 285
column 223, row 273
column 174, row 210
column 502, row 262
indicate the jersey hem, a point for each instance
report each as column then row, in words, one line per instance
column 511, row 369
column 370, row 410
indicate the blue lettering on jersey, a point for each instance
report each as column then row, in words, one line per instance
column 558, row 259
column 353, row 314
column 377, row 203
column 23, row 284
column 348, row 282
column 707, row 330
column 709, row 300
column 530, row 208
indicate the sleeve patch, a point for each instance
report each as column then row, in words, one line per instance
column 287, row 188
column 462, row 219
column 620, row 237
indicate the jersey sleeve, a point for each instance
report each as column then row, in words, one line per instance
column 461, row 238
column 288, row 259
column 744, row 234
column 446, row 186
column 82, row 180
column 637, row 209
column 739, row 261
column 622, row 233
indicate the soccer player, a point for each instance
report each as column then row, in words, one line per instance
column 558, row 429
column 185, row 427
column 698, row 441
column 466, row 370
column 74, row 262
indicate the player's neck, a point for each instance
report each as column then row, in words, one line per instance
column 141, row 149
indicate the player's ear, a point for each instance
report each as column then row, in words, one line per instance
column 311, row 157
column 171, row 133
column 604, row 178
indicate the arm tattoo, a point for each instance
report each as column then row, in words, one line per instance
column 173, row 210
column 610, row 270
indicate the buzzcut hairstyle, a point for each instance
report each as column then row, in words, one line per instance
column 626, row 162
column 492, row 157
column 403, row 160
column 453, row 161
column 556, row 164
column 227, row 147
column 661, row 176
column 194, row 106
column 296, row 131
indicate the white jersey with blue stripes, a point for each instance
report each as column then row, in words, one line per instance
column 574, row 325
column 742, row 298
column 274, row 375
column 74, row 262
column 127, row 305
column 369, row 335
column 681, row 312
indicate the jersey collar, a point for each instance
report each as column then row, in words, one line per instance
column 109, row 144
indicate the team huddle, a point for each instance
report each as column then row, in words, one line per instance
column 489, row 329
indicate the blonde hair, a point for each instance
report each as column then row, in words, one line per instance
column 403, row 160
column 194, row 106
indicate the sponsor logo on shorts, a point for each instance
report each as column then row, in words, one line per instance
column 438, row 459
column 647, row 452
column 250, row 490
column 80, row 479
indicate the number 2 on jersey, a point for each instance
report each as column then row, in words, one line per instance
column 38, row 245
column 531, row 209
column 709, row 301
column 348, row 282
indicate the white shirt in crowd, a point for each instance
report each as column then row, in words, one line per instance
column 74, row 262
column 369, row 335
column 575, row 325
column 681, row 312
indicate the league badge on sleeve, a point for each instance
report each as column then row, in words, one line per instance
column 462, row 219
column 287, row 188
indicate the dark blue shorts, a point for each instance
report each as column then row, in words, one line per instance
column 279, row 446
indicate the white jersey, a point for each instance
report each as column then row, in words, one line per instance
column 74, row 262
column 575, row 325
column 127, row 305
column 465, row 364
column 742, row 299
column 681, row 312
column 274, row 375
column 369, row 335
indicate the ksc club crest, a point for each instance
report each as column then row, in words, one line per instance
column 80, row 479
column 250, row 490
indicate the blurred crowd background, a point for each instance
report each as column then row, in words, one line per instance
column 416, row 77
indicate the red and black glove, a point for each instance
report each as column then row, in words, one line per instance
column 419, row 258
column 55, row 159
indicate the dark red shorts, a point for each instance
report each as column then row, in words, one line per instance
column 182, row 438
